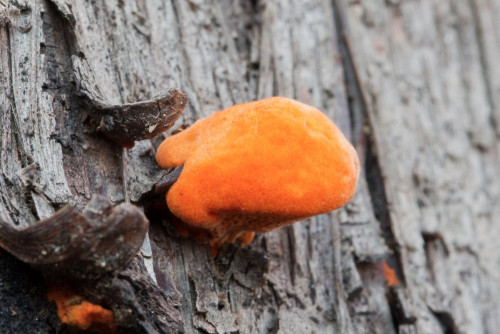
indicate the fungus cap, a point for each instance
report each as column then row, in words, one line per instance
column 257, row 166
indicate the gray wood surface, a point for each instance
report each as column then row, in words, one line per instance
column 414, row 84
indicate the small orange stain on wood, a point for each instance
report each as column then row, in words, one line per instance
column 73, row 310
column 390, row 275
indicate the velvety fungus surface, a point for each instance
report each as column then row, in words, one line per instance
column 75, row 311
column 255, row 167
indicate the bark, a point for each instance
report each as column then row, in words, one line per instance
column 414, row 84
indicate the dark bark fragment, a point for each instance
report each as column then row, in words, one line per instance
column 127, row 123
column 84, row 246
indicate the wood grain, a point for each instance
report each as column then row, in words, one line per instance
column 414, row 84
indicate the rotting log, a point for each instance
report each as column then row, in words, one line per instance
column 414, row 84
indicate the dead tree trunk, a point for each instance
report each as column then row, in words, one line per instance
column 414, row 84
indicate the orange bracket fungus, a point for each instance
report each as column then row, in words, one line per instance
column 255, row 167
column 74, row 311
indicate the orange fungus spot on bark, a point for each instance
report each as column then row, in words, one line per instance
column 74, row 311
column 390, row 275
column 255, row 167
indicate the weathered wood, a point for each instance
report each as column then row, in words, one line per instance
column 429, row 83
column 414, row 84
